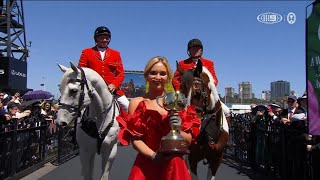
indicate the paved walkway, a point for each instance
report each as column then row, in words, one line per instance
column 70, row 170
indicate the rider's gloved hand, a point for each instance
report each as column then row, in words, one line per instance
column 175, row 119
column 111, row 87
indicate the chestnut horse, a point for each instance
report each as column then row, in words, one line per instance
column 198, row 85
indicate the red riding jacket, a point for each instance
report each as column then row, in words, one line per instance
column 110, row 68
column 189, row 64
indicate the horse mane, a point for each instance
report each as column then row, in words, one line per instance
column 214, row 96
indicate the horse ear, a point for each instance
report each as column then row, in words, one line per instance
column 62, row 68
column 179, row 68
column 74, row 68
column 198, row 69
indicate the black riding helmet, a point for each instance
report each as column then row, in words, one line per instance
column 102, row 30
column 192, row 43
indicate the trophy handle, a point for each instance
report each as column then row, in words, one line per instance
column 157, row 100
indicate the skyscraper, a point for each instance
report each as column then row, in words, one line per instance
column 245, row 90
column 279, row 89
column 229, row 92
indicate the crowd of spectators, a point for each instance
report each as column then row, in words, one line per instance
column 294, row 115
column 268, row 148
column 26, row 113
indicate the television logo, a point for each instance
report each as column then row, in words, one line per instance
column 269, row 18
column 14, row 73
column 291, row 18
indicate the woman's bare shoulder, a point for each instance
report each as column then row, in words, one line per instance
column 134, row 103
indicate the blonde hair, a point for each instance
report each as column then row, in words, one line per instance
column 154, row 61
column 55, row 106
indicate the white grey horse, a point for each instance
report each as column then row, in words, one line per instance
column 85, row 98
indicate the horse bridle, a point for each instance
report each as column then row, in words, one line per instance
column 83, row 82
column 204, row 96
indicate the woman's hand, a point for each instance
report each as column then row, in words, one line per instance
column 175, row 119
column 159, row 157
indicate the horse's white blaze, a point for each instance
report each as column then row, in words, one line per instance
column 214, row 96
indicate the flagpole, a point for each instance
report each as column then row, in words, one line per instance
column 44, row 83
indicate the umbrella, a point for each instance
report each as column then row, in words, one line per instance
column 32, row 102
column 38, row 94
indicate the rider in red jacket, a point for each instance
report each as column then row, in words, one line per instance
column 106, row 62
column 195, row 50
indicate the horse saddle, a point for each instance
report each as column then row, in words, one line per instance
column 210, row 130
column 90, row 128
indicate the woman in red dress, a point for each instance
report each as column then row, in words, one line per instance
column 148, row 123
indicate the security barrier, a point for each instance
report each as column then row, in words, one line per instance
column 273, row 148
column 27, row 144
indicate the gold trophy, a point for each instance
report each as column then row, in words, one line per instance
column 173, row 142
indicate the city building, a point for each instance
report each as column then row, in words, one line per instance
column 229, row 92
column 266, row 95
column 245, row 90
column 279, row 89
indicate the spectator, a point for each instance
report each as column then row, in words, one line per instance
column 275, row 112
column 287, row 113
column 16, row 98
column 46, row 109
column 300, row 113
column 3, row 110
column 14, row 111
column 2, row 95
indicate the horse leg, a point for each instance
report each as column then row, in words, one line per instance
column 193, row 166
column 108, row 152
column 87, row 149
column 192, row 160
column 213, row 167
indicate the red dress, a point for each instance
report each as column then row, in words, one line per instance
column 151, row 126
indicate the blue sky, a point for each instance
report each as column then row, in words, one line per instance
column 242, row 48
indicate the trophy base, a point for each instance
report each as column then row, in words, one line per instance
column 171, row 145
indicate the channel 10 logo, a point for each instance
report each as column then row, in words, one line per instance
column 269, row 18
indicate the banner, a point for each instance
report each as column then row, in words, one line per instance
column 313, row 68
column 13, row 74
column 134, row 84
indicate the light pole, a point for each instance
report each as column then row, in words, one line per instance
column 241, row 94
column 225, row 95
